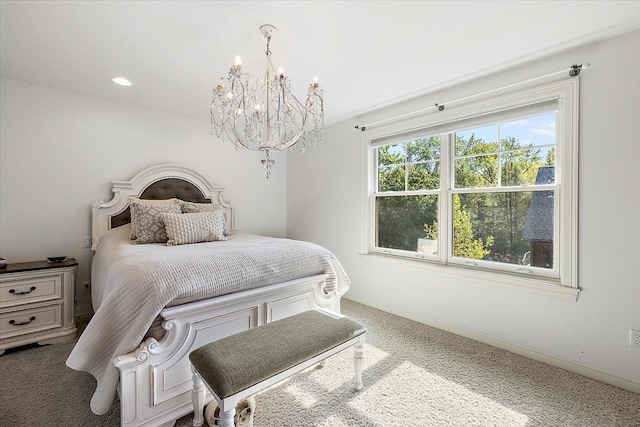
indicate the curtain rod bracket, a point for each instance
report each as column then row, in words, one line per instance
column 575, row 69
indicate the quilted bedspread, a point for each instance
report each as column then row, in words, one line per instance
column 131, row 284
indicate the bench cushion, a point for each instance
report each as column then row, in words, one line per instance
column 237, row 362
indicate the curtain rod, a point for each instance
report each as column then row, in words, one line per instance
column 574, row 70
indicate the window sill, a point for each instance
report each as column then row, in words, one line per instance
column 536, row 285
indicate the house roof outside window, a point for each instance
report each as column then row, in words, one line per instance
column 539, row 223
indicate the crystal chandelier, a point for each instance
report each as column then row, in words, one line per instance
column 266, row 116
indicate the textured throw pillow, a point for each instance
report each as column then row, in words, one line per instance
column 197, row 227
column 133, row 200
column 190, row 207
column 149, row 222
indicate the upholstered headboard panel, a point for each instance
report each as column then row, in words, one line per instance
column 164, row 189
column 164, row 181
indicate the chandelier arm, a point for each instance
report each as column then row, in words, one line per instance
column 315, row 95
column 243, row 100
column 301, row 107
column 241, row 108
column 238, row 140
column 284, row 103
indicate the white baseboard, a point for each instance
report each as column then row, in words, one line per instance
column 529, row 352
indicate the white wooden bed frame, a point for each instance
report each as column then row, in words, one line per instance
column 156, row 378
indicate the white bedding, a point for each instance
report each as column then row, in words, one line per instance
column 131, row 284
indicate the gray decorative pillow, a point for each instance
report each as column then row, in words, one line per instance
column 149, row 222
column 133, row 200
column 190, row 207
column 197, row 227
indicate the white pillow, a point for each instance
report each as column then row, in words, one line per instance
column 197, row 227
column 191, row 207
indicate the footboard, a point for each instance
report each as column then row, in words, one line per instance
column 156, row 379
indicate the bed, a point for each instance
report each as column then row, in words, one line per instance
column 155, row 303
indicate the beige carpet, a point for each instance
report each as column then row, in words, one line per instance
column 415, row 376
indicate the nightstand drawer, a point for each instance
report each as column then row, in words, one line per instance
column 29, row 289
column 22, row 322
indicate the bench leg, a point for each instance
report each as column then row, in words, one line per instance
column 358, row 361
column 228, row 412
column 198, row 396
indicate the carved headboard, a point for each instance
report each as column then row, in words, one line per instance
column 158, row 182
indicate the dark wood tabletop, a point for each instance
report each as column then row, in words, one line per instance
column 37, row 265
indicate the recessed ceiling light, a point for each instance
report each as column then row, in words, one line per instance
column 121, row 81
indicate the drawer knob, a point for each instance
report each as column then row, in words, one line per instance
column 14, row 323
column 13, row 291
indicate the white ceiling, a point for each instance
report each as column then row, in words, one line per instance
column 365, row 53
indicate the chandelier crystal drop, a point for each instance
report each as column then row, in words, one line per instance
column 266, row 116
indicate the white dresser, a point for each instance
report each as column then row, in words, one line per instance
column 36, row 303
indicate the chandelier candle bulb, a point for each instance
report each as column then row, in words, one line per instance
column 279, row 120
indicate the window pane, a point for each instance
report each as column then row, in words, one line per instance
column 525, row 166
column 409, row 166
column 478, row 171
column 423, row 176
column 391, row 178
column 477, row 140
column 506, row 227
column 391, row 154
column 423, row 149
column 530, row 131
column 401, row 221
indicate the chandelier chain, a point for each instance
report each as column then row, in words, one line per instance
column 268, row 36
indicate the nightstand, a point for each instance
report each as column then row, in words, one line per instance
column 36, row 303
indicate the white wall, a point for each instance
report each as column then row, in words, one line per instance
column 59, row 152
column 589, row 336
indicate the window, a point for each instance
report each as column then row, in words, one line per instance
column 490, row 187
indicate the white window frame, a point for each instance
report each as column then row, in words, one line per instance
column 563, row 280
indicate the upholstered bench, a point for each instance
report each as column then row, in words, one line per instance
column 243, row 364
